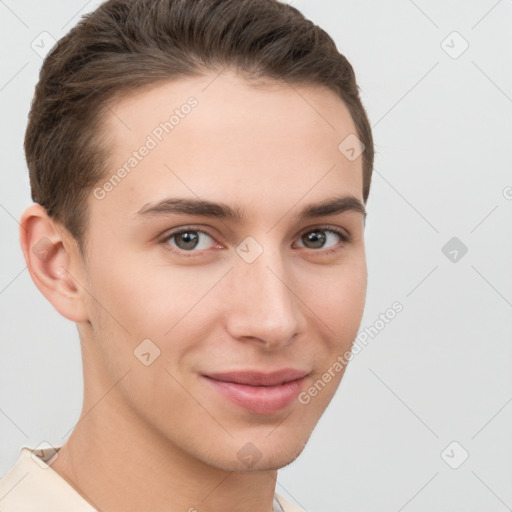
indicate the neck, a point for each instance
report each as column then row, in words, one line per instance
column 117, row 462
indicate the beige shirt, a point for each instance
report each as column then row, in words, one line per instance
column 31, row 485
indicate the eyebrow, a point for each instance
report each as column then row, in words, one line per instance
column 332, row 206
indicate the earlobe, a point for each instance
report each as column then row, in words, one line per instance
column 52, row 260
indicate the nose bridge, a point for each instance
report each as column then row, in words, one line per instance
column 263, row 305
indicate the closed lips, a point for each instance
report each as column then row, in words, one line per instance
column 257, row 392
column 252, row 378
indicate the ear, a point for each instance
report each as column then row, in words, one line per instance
column 54, row 262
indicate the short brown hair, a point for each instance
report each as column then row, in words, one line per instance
column 127, row 44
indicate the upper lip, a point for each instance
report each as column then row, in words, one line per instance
column 258, row 378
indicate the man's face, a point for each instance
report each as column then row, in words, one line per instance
column 266, row 292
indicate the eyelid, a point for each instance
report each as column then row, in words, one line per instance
column 344, row 236
column 183, row 229
column 343, row 233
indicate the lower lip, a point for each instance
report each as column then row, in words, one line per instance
column 259, row 399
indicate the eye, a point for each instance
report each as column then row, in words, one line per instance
column 193, row 241
column 188, row 239
column 323, row 238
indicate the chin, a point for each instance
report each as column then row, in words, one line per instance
column 272, row 456
column 280, row 460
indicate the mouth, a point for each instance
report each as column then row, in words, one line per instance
column 258, row 392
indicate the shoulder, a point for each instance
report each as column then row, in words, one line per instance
column 286, row 505
column 32, row 486
column 15, row 484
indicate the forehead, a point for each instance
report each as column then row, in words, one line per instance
column 220, row 136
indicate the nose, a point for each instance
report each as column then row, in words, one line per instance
column 262, row 305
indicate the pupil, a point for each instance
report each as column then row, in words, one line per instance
column 317, row 238
column 190, row 240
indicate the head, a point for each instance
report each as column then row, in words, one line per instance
column 199, row 171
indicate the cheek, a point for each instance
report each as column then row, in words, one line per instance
column 135, row 301
column 337, row 298
column 339, row 305
column 134, row 313
column 145, row 299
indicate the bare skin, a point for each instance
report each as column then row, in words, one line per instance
column 160, row 435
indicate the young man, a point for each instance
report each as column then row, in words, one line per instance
column 199, row 171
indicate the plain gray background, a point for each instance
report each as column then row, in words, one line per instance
column 431, row 387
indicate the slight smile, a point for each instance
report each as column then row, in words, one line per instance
column 258, row 392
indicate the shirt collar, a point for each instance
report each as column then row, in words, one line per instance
column 34, row 483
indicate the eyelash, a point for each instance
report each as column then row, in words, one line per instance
column 344, row 237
